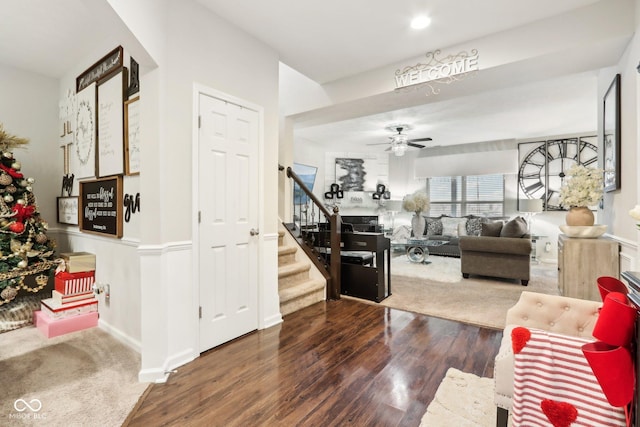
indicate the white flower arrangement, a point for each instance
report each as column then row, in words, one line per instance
column 416, row 202
column 635, row 214
column 583, row 188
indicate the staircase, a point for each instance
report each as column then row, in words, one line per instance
column 297, row 287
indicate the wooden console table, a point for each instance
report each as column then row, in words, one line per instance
column 582, row 261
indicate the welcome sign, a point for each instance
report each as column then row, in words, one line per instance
column 437, row 69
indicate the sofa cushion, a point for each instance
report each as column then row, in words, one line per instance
column 491, row 228
column 514, row 246
column 517, row 227
column 450, row 225
column 474, row 225
column 434, row 227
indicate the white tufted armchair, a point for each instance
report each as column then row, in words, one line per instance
column 562, row 315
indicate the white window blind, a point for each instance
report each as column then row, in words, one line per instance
column 481, row 195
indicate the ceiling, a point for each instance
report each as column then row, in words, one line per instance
column 334, row 39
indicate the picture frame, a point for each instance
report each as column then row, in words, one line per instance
column 110, row 142
column 132, row 136
column 105, row 66
column 67, row 212
column 611, row 144
column 308, row 176
column 83, row 153
column 101, row 206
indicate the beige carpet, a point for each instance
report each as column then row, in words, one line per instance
column 85, row 378
column 462, row 400
column 439, row 290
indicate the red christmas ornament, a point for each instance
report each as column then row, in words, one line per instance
column 14, row 173
column 16, row 227
column 23, row 212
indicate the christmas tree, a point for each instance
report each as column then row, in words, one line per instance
column 25, row 249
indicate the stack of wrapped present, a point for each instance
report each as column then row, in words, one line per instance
column 73, row 305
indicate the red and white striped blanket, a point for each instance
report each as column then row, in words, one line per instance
column 555, row 386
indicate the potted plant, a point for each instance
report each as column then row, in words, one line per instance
column 417, row 203
column 584, row 188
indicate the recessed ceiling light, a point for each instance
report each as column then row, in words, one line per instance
column 420, row 22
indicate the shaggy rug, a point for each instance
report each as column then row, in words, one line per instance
column 85, row 378
column 462, row 400
column 438, row 289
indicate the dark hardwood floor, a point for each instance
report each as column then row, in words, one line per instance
column 332, row 364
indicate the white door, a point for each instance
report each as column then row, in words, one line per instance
column 228, row 203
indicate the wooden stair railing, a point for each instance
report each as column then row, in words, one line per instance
column 311, row 223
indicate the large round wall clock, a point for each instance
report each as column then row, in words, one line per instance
column 544, row 169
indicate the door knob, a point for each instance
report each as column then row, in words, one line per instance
column 254, row 232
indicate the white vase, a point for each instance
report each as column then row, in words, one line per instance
column 418, row 224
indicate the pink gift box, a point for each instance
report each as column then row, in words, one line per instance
column 53, row 328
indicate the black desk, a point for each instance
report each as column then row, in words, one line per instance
column 365, row 270
column 370, row 282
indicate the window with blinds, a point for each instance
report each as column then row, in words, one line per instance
column 481, row 195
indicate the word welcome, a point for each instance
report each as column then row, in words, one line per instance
column 421, row 75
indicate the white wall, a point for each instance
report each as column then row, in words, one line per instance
column 153, row 305
column 200, row 48
column 618, row 203
column 29, row 109
column 116, row 259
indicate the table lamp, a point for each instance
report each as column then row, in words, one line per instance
column 530, row 207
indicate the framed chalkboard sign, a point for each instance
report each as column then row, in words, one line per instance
column 101, row 206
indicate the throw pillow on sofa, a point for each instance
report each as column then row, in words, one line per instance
column 451, row 225
column 517, row 227
column 434, row 227
column 474, row 225
column 491, row 228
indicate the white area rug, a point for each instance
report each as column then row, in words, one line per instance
column 462, row 400
column 440, row 269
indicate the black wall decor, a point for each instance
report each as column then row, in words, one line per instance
column 131, row 205
column 544, row 166
column 134, row 80
column 100, row 206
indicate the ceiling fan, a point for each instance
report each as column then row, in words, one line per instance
column 400, row 142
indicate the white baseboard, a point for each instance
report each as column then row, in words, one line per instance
column 274, row 320
column 153, row 376
column 120, row 336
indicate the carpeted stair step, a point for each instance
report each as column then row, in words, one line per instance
column 301, row 295
column 286, row 255
column 292, row 274
column 280, row 237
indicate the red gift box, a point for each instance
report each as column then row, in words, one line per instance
column 75, row 283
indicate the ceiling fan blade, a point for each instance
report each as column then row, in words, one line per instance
column 411, row 144
column 378, row 143
column 388, row 149
column 419, row 139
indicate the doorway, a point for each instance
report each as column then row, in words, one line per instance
column 226, row 155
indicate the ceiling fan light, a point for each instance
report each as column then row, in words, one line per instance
column 399, row 149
